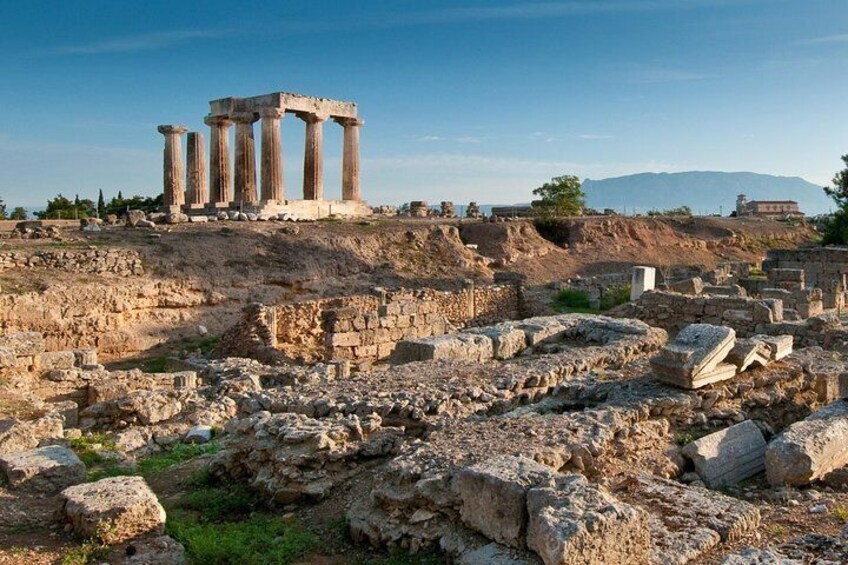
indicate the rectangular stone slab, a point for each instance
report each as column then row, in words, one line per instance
column 728, row 456
column 698, row 348
column 809, row 449
column 749, row 352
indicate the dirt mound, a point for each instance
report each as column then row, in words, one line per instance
column 506, row 243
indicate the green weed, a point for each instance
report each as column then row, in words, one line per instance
column 260, row 539
column 570, row 299
column 155, row 365
column 841, row 513
column 180, row 453
column 88, row 446
column 614, row 296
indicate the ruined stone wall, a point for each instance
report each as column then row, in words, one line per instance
column 366, row 327
column 123, row 262
column 824, row 267
column 747, row 316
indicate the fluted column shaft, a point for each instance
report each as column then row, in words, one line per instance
column 221, row 186
column 350, row 158
column 272, row 156
column 197, row 190
column 173, row 187
column 245, row 157
column 313, row 157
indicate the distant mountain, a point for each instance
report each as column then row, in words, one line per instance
column 704, row 192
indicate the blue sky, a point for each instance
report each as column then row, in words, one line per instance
column 463, row 100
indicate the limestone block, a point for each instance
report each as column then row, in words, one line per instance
column 160, row 550
column 199, row 434
column 55, row 360
column 578, row 523
column 693, row 286
column 694, row 358
column 749, row 352
column 643, row 279
column 69, row 411
column 16, row 435
column 7, row 358
column 809, row 449
column 85, row 358
column 460, row 347
column 114, row 509
column 348, row 339
column 541, row 330
column 494, row 496
column 728, row 456
column 752, row 556
column 23, row 343
column 507, row 340
column 47, row 469
column 185, row 380
column 779, row 345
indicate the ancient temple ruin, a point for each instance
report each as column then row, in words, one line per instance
column 226, row 187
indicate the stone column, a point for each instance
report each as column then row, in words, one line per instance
column 245, row 177
column 313, row 157
column 350, row 158
column 219, row 159
column 272, row 155
column 642, row 280
column 197, row 191
column 174, row 190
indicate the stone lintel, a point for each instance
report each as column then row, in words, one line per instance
column 278, row 113
column 244, row 117
column 311, row 118
column 288, row 101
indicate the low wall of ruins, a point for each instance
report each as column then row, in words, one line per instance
column 364, row 328
column 824, row 267
column 747, row 316
column 122, row 262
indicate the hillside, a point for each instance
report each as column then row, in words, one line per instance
column 703, row 191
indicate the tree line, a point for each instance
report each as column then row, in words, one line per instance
column 63, row 208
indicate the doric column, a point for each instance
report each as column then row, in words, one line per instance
column 350, row 158
column 313, row 157
column 221, row 186
column 173, row 188
column 272, row 155
column 245, row 181
column 197, row 191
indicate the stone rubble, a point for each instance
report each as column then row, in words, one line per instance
column 47, row 469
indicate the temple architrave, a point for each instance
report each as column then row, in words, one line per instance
column 194, row 192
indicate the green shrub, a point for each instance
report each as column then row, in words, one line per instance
column 219, row 504
column 615, row 296
column 88, row 446
column 570, row 298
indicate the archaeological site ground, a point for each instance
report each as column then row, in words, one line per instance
column 393, row 389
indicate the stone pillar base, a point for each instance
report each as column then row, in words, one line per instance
column 194, row 207
column 174, row 209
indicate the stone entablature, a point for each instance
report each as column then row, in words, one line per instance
column 265, row 192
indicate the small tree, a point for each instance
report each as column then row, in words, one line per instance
column 2, row 209
column 18, row 213
column 561, row 197
column 836, row 227
column 62, row 208
column 101, row 202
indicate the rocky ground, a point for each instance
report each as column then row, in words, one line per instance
column 292, row 464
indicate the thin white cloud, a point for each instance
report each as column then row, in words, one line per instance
column 145, row 42
column 594, row 136
column 431, row 138
column 660, row 75
column 469, row 139
column 839, row 38
column 481, row 166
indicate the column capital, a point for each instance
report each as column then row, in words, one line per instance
column 272, row 113
column 311, row 118
column 212, row 120
column 349, row 122
column 171, row 129
column 244, row 117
